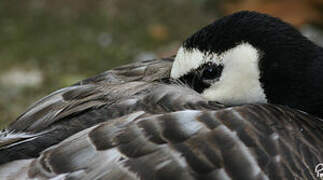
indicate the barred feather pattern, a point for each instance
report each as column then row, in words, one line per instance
column 232, row 143
column 127, row 123
column 109, row 95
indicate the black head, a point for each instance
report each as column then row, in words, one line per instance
column 252, row 58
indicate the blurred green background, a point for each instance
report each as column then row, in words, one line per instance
column 46, row 45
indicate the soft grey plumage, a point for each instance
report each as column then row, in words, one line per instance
column 140, row 129
column 133, row 122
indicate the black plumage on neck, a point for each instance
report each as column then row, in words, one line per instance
column 291, row 66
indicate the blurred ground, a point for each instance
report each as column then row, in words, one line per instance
column 46, row 45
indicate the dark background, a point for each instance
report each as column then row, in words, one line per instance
column 46, row 45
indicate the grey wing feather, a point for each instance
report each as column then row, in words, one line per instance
column 127, row 124
column 69, row 110
column 232, row 143
column 89, row 93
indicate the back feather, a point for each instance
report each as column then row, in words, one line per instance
column 127, row 123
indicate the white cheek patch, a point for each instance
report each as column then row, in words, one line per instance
column 187, row 60
column 239, row 82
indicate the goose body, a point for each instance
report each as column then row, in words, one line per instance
column 157, row 119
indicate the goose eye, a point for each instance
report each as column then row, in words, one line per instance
column 212, row 71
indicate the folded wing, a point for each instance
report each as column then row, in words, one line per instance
column 245, row 142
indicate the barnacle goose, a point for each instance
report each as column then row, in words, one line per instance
column 241, row 100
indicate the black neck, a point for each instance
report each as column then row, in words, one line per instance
column 297, row 82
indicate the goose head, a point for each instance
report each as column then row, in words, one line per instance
column 249, row 57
